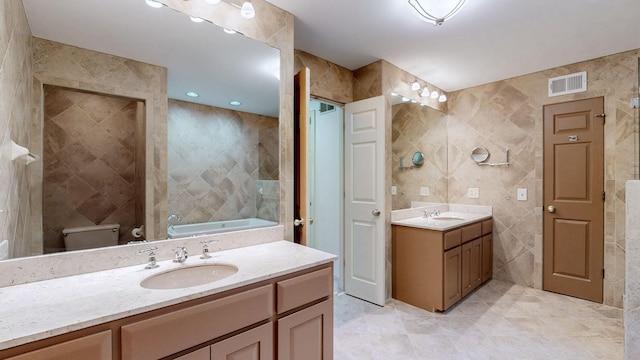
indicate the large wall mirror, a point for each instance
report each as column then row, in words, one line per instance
column 418, row 129
column 221, row 143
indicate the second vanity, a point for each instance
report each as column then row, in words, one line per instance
column 280, row 291
column 440, row 258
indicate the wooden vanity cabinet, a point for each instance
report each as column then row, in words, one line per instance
column 433, row 270
column 288, row 318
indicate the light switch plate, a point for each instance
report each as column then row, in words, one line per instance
column 473, row 193
column 394, row 190
column 522, row 194
column 424, row 191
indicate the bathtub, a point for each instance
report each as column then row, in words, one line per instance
column 216, row 227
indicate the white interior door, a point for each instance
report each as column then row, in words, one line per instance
column 364, row 245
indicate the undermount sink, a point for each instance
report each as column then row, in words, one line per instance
column 447, row 218
column 189, row 276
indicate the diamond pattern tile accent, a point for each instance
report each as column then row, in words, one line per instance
column 89, row 162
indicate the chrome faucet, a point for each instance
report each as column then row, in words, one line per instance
column 173, row 219
column 181, row 255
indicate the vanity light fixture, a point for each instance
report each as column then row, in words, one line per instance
column 415, row 85
column 247, row 11
column 234, row 103
column 196, row 19
column 434, row 94
column 442, row 98
column 424, row 92
column 436, row 11
column 192, row 94
column 154, row 4
column 393, row 93
column 405, row 99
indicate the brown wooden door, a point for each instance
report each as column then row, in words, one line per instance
column 301, row 133
column 254, row 344
column 471, row 265
column 574, row 198
column 487, row 257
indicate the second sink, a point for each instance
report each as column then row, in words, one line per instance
column 189, row 276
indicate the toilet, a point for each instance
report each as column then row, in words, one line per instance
column 89, row 237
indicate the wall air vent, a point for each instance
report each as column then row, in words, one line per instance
column 326, row 107
column 568, row 84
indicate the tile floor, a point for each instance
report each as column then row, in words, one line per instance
column 498, row 321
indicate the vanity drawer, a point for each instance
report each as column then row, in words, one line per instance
column 303, row 289
column 95, row 347
column 452, row 239
column 163, row 335
column 471, row 232
column 487, row 226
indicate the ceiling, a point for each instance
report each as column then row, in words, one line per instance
column 199, row 57
column 488, row 40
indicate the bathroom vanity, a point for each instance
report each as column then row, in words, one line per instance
column 437, row 261
column 280, row 291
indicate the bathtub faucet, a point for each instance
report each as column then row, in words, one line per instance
column 173, row 219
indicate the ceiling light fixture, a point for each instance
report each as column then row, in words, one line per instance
column 234, row 103
column 192, row 94
column 230, row 32
column 154, row 4
column 196, row 19
column 437, row 11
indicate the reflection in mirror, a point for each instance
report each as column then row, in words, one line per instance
column 419, row 129
column 102, row 181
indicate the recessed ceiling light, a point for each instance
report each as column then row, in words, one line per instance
column 192, row 94
column 196, row 19
column 154, row 4
column 234, row 103
column 230, row 32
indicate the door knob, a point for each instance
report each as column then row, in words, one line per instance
column 298, row 222
column 551, row 208
column 376, row 212
column 310, row 221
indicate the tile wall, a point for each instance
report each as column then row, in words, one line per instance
column 214, row 161
column 89, row 163
column 632, row 294
column 508, row 115
column 15, row 112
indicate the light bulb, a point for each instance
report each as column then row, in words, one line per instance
column 213, row 2
column 229, row 31
column 247, row 11
column 154, row 4
column 442, row 98
column 434, row 94
column 196, row 19
column 424, row 92
column 415, row 86
column 393, row 93
column 405, row 99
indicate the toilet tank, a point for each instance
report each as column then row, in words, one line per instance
column 89, row 237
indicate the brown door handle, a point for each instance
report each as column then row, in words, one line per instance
column 551, row 209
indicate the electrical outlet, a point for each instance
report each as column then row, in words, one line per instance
column 473, row 193
column 394, row 190
column 522, row 194
column 424, row 191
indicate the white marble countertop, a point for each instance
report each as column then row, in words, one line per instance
column 444, row 221
column 38, row 310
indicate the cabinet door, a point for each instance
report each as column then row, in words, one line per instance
column 255, row 344
column 307, row 334
column 94, row 347
column 452, row 277
column 487, row 257
column 471, row 265
column 202, row 354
